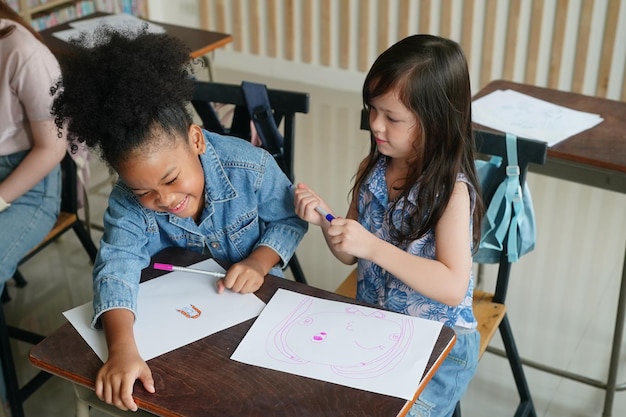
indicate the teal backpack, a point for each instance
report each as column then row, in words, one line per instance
column 510, row 209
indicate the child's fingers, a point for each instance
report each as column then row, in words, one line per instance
column 302, row 186
column 337, row 226
column 220, row 285
column 307, row 205
column 239, row 284
column 234, row 281
column 147, row 381
column 99, row 388
column 126, row 401
column 249, row 285
column 303, row 191
column 104, row 390
column 240, row 279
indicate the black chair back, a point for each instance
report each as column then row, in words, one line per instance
column 285, row 105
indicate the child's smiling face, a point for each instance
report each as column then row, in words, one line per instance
column 167, row 178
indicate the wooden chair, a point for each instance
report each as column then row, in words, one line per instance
column 489, row 307
column 68, row 220
column 285, row 105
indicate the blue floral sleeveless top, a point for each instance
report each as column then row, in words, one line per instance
column 376, row 285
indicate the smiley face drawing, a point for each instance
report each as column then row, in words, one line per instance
column 353, row 341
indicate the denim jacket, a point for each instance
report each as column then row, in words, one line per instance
column 248, row 203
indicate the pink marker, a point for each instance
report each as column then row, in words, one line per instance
column 168, row 267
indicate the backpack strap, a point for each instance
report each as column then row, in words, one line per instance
column 513, row 194
column 260, row 110
column 495, row 228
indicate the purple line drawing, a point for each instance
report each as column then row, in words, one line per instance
column 355, row 342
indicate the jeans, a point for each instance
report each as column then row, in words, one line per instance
column 26, row 222
column 449, row 383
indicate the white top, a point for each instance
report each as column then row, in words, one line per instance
column 27, row 72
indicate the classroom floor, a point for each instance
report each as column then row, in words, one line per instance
column 60, row 278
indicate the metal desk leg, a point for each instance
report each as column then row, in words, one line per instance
column 209, row 65
column 611, row 383
column 86, row 399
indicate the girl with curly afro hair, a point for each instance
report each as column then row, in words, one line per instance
column 125, row 95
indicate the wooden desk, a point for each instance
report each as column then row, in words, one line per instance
column 199, row 41
column 595, row 157
column 200, row 380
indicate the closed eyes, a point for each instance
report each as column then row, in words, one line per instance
column 145, row 193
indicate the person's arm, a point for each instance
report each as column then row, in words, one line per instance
column 444, row 279
column 115, row 380
column 47, row 151
column 121, row 257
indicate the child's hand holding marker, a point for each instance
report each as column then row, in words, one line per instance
column 310, row 207
column 324, row 213
column 345, row 237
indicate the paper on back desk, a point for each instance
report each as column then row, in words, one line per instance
column 114, row 21
column 530, row 117
column 174, row 310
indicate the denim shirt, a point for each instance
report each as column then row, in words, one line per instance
column 248, row 203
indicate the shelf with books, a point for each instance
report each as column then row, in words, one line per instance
column 42, row 14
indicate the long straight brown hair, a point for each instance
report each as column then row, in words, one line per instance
column 431, row 77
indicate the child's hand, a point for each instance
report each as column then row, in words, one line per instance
column 243, row 277
column 350, row 237
column 115, row 380
column 305, row 203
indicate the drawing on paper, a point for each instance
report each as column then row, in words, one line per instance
column 353, row 342
column 191, row 312
column 528, row 115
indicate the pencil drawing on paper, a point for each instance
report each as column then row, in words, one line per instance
column 191, row 311
column 354, row 342
column 530, row 116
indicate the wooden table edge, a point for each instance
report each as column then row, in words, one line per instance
column 431, row 372
column 203, row 51
column 440, row 354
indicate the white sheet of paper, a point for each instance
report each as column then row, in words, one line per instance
column 174, row 310
column 116, row 21
column 530, row 117
column 355, row 346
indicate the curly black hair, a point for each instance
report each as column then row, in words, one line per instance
column 118, row 86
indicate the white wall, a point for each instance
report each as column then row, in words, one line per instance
column 179, row 12
column 575, row 46
column 185, row 13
